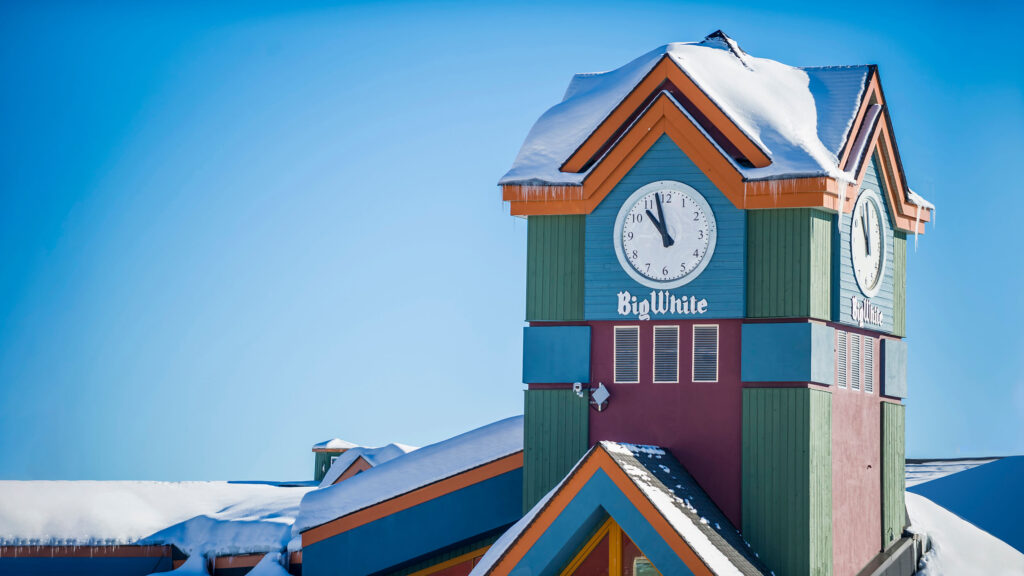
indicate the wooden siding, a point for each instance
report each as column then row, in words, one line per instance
column 899, row 290
column 555, row 438
column 789, row 259
column 846, row 284
column 722, row 282
column 322, row 463
column 554, row 268
column 893, row 481
column 787, row 478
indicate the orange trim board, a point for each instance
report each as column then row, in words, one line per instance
column 412, row 498
column 598, row 459
column 665, row 70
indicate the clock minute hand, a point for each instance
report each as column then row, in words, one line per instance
column 665, row 238
column 864, row 226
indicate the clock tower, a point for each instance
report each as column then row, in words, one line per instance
column 717, row 266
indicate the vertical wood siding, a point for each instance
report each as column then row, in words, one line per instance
column 893, row 480
column 787, row 478
column 554, row 267
column 555, row 438
column 789, row 263
column 899, row 290
column 722, row 282
column 321, row 464
column 846, row 284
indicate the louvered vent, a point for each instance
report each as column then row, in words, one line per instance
column 855, row 361
column 841, row 365
column 666, row 353
column 627, row 354
column 705, row 353
column 869, row 365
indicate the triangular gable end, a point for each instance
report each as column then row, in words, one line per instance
column 608, row 483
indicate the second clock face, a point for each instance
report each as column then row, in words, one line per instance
column 665, row 234
column 867, row 243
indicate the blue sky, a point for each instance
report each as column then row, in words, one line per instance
column 228, row 232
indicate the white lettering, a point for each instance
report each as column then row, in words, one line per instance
column 864, row 312
column 659, row 303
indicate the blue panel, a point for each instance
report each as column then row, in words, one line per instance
column 599, row 498
column 422, row 529
column 723, row 282
column 842, row 307
column 788, row 352
column 556, row 354
column 84, row 566
column 894, row 368
column 987, row 496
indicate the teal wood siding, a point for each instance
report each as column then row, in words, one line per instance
column 555, row 438
column 899, row 291
column 787, row 478
column 789, row 263
column 846, row 284
column 554, row 268
column 893, row 480
column 722, row 283
column 321, row 464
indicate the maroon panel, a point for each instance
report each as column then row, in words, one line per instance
column 856, row 479
column 700, row 423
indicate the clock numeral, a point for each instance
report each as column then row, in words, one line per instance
column 629, row 235
column 700, row 234
column 648, row 265
column 634, row 255
column 664, row 271
column 668, row 198
column 695, row 254
column 696, row 216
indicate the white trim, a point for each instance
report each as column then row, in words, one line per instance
column 615, row 353
column 693, row 351
column 620, row 219
column 654, row 354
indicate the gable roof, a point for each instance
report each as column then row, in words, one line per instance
column 662, row 491
column 372, row 456
column 767, row 134
column 422, row 467
column 333, row 445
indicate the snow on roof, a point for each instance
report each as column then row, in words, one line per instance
column 685, row 505
column 373, row 456
column 800, row 117
column 918, row 200
column 334, row 444
column 921, row 471
column 413, row 470
column 957, row 546
column 204, row 517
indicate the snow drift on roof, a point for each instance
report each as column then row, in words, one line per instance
column 799, row 117
column 334, row 444
column 413, row 470
column 204, row 517
column 374, row 456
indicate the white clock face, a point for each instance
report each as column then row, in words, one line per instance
column 665, row 234
column 867, row 243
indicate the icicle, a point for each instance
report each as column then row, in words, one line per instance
column 917, row 224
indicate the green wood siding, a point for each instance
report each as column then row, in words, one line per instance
column 554, row 267
column 787, row 478
column 893, row 480
column 789, row 263
column 555, row 438
column 321, row 464
column 899, row 290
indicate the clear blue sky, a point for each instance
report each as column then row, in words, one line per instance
column 228, row 232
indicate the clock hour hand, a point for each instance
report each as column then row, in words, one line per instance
column 665, row 238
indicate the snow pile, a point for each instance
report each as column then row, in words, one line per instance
column 194, row 566
column 270, row 565
column 413, row 470
column 203, row 517
column 921, row 472
column 374, row 456
column 957, row 546
column 334, row 444
column 775, row 105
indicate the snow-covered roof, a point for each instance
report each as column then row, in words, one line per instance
column 334, row 444
column 373, row 457
column 676, row 495
column 921, row 471
column 799, row 117
column 411, row 471
column 204, row 517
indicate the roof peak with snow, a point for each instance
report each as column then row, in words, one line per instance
column 333, row 444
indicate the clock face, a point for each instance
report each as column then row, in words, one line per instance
column 665, row 234
column 867, row 243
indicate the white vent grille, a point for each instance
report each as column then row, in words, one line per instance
column 705, row 353
column 869, row 365
column 855, row 361
column 841, row 365
column 666, row 353
column 627, row 354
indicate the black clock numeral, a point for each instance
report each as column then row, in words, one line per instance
column 700, row 234
column 695, row 254
column 629, row 235
column 634, row 255
column 696, row 216
column 664, row 271
column 648, row 265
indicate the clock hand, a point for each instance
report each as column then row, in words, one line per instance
column 865, row 224
column 665, row 238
